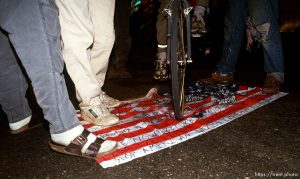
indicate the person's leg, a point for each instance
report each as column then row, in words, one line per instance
column 123, row 39
column 234, row 29
column 102, row 16
column 161, row 72
column 38, row 47
column 266, row 20
column 161, row 26
column 198, row 26
column 13, row 86
column 79, row 37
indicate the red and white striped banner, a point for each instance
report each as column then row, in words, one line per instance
column 146, row 125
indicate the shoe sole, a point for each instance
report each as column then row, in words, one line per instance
column 266, row 91
column 90, row 120
column 25, row 128
column 162, row 78
column 61, row 149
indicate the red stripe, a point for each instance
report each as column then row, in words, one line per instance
column 124, row 107
column 132, row 123
column 152, row 107
column 243, row 88
column 147, row 102
column 125, row 125
column 126, row 116
column 189, row 128
column 165, row 123
column 249, row 93
column 155, row 108
column 134, row 113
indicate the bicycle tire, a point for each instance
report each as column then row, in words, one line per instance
column 177, row 62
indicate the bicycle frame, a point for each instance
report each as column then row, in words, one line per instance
column 187, row 10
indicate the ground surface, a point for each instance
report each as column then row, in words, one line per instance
column 263, row 142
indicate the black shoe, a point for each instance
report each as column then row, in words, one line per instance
column 161, row 70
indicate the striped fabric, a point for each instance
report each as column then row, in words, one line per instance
column 147, row 125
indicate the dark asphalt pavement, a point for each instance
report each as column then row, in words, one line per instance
column 263, row 142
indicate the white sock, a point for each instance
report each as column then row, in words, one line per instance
column 65, row 139
column 19, row 124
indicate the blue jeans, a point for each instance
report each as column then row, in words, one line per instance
column 262, row 12
column 34, row 32
column 12, row 87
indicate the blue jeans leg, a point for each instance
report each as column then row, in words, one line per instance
column 262, row 11
column 35, row 34
column 265, row 12
column 13, row 84
column 234, row 31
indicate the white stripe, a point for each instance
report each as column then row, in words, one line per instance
column 157, row 132
column 164, row 110
column 141, row 125
column 162, row 145
column 139, row 116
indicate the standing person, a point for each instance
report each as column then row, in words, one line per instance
column 263, row 25
column 198, row 29
column 13, row 89
column 118, row 65
column 32, row 29
column 87, row 29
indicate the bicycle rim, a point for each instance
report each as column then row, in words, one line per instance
column 178, row 60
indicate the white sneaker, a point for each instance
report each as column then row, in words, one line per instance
column 108, row 101
column 99, row 115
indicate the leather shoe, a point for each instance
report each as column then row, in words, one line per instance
column 217, row 77
column 271, row 85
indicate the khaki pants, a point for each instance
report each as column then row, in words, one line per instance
column 88, row 36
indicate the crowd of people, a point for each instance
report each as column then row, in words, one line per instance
column 41, row 36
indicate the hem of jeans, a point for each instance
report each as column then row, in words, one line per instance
column 278, row 75
column 20, row 118
column 230, row 72
column 65, row 129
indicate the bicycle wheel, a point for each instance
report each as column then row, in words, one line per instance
column 178, row 62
